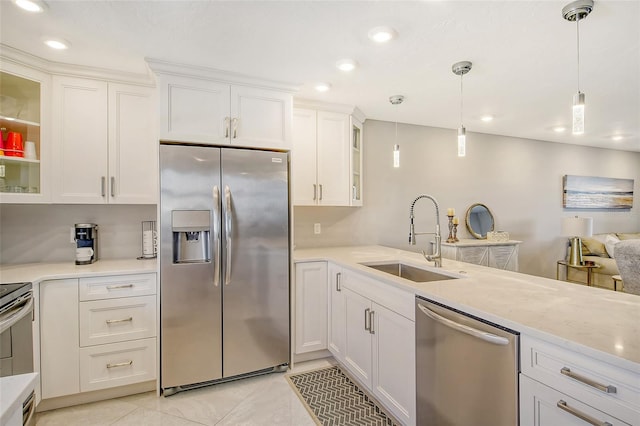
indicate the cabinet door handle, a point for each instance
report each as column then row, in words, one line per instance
column 120, row 364
column 604, row 388
column 226, row 127
column 103, row 184
column 367, row 319
column 579, row 414
column 113, row 186
column 371, row 319
column 234, row 124
column 315, row 191
column 320, row 192
column 115, row 321
column 118, row 286
column 338, row 279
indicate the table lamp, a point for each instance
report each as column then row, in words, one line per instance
column 576, row 227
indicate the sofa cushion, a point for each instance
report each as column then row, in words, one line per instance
column 594, row 247
column 628, row 236
column 610, row 245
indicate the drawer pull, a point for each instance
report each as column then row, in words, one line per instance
column 579, row 414
column 120, row 364
column 115, row 287
column 604, row 388
column 119, row 320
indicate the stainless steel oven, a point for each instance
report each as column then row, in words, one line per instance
column 16, row 336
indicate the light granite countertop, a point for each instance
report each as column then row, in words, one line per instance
column 35, row 272
column 14, row 390
column 597, row 322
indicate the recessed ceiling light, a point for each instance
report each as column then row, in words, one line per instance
column 617, row 138
column 382, row 34
column 559, row 129
column 322, row 87
column 346, row 65
column 486, row 118
column 57, row 43
column 30, row 5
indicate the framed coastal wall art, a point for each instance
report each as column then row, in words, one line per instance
column 590, row 192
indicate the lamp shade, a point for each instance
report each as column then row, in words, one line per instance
column 577, row 226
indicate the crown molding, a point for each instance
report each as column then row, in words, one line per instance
column 16, row 56
column 328, row 106
column 195, row 71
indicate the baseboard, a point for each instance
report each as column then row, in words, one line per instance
column 93, row 396
column 310, row 356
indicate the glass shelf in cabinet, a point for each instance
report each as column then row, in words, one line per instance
column 19, row 121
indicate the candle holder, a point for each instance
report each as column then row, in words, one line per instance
column 451, row 238
column 455, row 232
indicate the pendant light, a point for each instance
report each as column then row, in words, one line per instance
column 461, row 68
column 396, row 100
column 576, row 11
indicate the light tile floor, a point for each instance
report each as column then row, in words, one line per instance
column 261, row 400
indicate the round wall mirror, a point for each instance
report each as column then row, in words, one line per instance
column 479, row 220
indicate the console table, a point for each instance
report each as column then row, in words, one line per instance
column 500, row 255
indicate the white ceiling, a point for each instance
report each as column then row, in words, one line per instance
column 523, row 54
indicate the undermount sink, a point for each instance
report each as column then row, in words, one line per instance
column 410, row 272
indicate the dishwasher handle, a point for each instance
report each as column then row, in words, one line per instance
column 483, row 335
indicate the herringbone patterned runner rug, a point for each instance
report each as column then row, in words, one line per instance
column 335, row 400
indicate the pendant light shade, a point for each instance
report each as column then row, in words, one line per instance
column 462, row 141
column 396, row 100
column 575, row 12
column 461, row 68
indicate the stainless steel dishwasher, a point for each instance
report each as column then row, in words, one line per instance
column 467, row 369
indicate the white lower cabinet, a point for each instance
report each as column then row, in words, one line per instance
column 117, row 364
column 90, row 340
column 563, row 387
column 379, row 346
column 59, row 337
column 337, row 328
column 311, row 307
column 541, row 405
column 357, row 348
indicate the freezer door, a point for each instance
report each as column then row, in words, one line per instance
column 255, row 267
column 190, row 290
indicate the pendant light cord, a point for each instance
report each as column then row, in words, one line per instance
column 578, row 37
column 461, row 100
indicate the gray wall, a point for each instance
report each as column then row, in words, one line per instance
column 40, row 233
column 520, row 180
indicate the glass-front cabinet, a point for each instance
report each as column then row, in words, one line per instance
column 356, row 162
column 24, row 144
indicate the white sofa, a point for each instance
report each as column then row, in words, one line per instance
column 594, row 249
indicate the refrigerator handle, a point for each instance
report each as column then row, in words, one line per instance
column 216, row 236
column 228, row 223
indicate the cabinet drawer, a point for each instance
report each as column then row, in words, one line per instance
column 117, row 320
column 117, row 364
column 542, row 406
column 607, row 387
column 114, row 286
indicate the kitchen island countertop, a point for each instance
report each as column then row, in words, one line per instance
column 597, row 322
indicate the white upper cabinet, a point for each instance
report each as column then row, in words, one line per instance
column 24, row 112
column 104, row 142
column 133, row 145
column 326, row 157
column 193, row 110
column 207, row 106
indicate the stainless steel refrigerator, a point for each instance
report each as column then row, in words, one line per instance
column 224, row 263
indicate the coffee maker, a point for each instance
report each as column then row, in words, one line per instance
column 86, row 237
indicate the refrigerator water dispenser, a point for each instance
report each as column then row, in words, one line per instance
column 191, row 232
